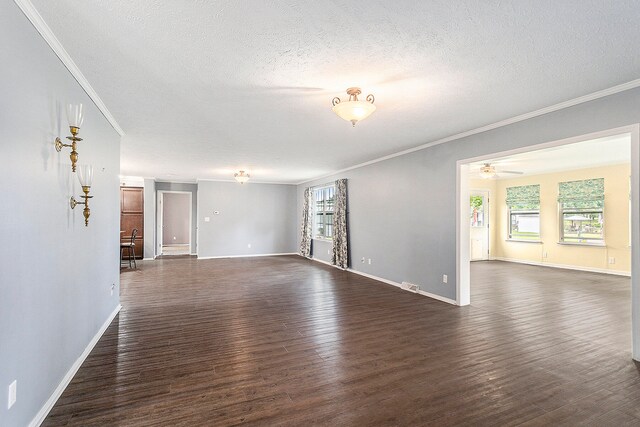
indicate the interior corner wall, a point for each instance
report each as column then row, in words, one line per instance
column 55, row 274
column 260, row 215
column 149, row 218
column 180, row 186
column 402, row 211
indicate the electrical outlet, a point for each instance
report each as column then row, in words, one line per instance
column 328, row 251
column 369, row 261
column 612, row 260
column 362, row 260
column 444, row 278
column 544, row 254
column 207, row 219
column 249, row 245
column 12, row 394
column 113, row 286
column 174, row 237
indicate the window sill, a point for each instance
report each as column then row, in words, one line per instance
column 323, row 239
column 524, row 241
column 597, row 245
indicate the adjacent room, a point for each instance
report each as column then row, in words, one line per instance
column 320, row 213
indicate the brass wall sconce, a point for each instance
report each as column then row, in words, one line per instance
column 75, row 117
column 85, row 176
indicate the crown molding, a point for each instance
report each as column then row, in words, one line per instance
column 248, row 182
column 41, row 26
column 566, row 104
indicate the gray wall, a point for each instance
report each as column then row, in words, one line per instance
column 55, row 273
column 178, row 186
column 176, row 209
column 149, row 218
column 258, row 214
column 402, row 210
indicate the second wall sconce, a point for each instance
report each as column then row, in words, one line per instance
column 85, row 176
column 75, row 116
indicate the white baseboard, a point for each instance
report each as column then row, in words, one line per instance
column 391, row 282
column 322, row 262
column 46, row 408
column 565, row 266
column 246, row 256
column 148, row 259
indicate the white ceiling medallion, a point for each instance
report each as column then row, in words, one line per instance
column 241, row 177
column 354, row 110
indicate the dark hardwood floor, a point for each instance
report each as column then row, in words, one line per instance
column 286, row 341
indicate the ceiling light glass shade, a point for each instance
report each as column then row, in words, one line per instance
column 75, row 115
column 242, row 177
column 85, row 175
column 354, row 110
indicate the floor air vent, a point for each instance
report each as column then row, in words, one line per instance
column 410, row 287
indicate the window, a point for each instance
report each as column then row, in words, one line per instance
column 523, row 203
column 476, row 214
column 324, row 199
column 581, row 205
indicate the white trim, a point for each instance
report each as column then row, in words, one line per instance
column 251, row 181
column 320, row 261
column 159, row 230
column 41, row 26
column 247, row 256
column 635, row 241
column 398, row 285
column 565, row 266
column 148, row 259
column 387, row 281
column 570, row 103
column 46, row 408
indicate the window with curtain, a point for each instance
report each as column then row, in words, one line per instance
column 581, row 207
column 323, row 199
column 523, row 204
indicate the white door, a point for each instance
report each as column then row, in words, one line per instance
column 479, row 221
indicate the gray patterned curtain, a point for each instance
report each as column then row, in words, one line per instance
column 340, row 256
column 306, row 227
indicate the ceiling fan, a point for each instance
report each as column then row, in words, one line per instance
column 488, row 171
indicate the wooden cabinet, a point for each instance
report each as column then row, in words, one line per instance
column 132, row 216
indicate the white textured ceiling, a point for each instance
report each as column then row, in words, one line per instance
column 610, row 150
column 203, row 88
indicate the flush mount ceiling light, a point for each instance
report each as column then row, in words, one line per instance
column 354, row 110
column 241, row 177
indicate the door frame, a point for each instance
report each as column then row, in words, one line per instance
column 463, row 277
column 486, row 217
column 159, row 218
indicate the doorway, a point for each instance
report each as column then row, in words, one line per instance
column 562, row 233
column 174, row 222
column 479, row 223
